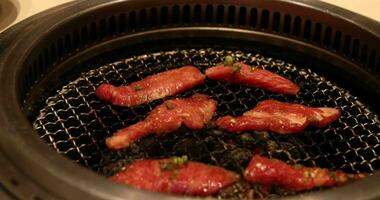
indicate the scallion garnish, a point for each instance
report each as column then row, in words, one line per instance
column 174, row 163
column 169, row 107
column 138, row 88
column 229, row 61
column 237, row 69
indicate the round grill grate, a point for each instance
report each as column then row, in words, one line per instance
column 75, row 123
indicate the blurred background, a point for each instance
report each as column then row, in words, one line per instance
column 13, row 11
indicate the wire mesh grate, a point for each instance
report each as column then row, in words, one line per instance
column 75, row 123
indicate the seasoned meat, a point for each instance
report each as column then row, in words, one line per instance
column 152, row 87
column 176, row 176
column 193, row 112
column 295, row 178
column 283, row 118
column 244, row 74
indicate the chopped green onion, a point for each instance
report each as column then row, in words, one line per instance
column 169, row 107
column 332, row 175
column 229, row 61
column 350, row 176
column 237, row 69
column 307, row 174
column 137, row 88
column 169, row 166
column 163, row 165
column 180, row 160
column 185, row 158
column 297, row 166
column 174, row 164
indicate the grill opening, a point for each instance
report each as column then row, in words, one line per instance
column 75, row 123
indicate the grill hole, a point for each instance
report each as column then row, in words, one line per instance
column 367, row 154
column 164, row 15
column 264, row 22
column 132, row 20
column 372, row 59
column 186, row 14
column 231, row 14
column 142, row 19
column 197, row 14
column 60, row 48
column 287, row 24
column 364, row 54
column 360, row 130
column 357, row 143
column 327, row 37
column 375, row 163
column 46, row 61
column 253, row 18
column 297, row 26
column 307, row 29
column 323, row 163
column 84, row 36
column 337, row 38
column 338, row 160
column 67, row 44
column 355, row 49
column 92, row 32
column 73, row 154
column 102, row 28
column 76, row 40
column 276, row 22
column 371, row 140
column 34, row 69
column 153, row 16
column 352, row 157
column 242, row 16
column 347, row 44
column 362, row 167
column 122, row 23
column 64, row 146
column 209, row 13
column 175, row 14
column 112, row 25
column 317, row 32
column 53, row 56
column 220, row 14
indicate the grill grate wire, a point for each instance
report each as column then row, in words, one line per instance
column 75, row 123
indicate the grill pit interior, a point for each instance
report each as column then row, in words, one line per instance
column 48, row 103
column 75, row 122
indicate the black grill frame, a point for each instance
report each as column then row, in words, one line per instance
column 23, row 48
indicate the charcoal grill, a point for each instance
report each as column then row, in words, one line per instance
column 51, row 63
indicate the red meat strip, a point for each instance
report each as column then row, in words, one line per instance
column 283, row 118
column 193, row 112
column 152, row 87
column 295, row 178
column 167, row 176
column 243, row 74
